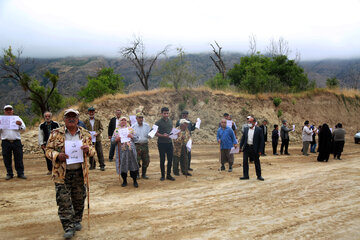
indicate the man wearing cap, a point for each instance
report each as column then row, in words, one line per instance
column 284, row 134
column 95, row 127
column 69, row 179
column 245, row 125
column 114, row 122
column 180, row 150
column 142, row 130
column 44, row 132
column 191, row 127
column 11, row 144
column 306, row 137
column 165, row 144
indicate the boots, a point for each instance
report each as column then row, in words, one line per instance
column 143, row 175
column 134, row 175
column 124, row 176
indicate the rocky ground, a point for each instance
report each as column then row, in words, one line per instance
column 299, row 199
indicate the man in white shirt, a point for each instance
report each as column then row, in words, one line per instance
column 142, row 130
column 11, row 144
column 306, row 137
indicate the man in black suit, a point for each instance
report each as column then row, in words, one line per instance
column 111, row 128
column 252, row 143
column 265, row 132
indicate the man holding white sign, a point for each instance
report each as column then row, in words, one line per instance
column 10, row 128
column 67, row 147
column 180, row 148
column 95, row 128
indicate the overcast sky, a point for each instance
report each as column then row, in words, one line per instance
column 317, row 29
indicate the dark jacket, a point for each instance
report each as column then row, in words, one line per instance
column 275, row 135
column 265, row 133
column 258, row 140
column 284, row 132
column 112, row 126
column 44, row 131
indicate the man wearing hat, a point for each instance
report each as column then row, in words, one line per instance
column 306, row 137
column 142, row 130
column 284, row 134
column 11, row 144
column 69, row 179
column 94, row 126
column 180, row 150
column 191, row 127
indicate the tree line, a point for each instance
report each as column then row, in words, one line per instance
column 255, row 73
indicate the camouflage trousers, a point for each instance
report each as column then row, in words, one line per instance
column 142, row 151
column 70, row 198
column 183, row 159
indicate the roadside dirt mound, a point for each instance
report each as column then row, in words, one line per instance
column 318, row 107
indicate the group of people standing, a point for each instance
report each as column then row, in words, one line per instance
column 130, row 146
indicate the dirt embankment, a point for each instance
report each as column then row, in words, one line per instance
column 318, row 107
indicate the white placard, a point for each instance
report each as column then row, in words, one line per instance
column 188, row 145
column 293, row 128
column 234, row 150
column 153, row 131
column 229, row 123
column 174, row 133
column 74, row 151
column 93, row 138
column 123, row 134
column 198, row 122
column 330, row 129
column 9, row 122
column 132, row 119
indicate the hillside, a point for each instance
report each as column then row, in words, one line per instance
column 318, row 107
column 73, row 72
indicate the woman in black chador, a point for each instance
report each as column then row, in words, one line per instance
column 325, row 145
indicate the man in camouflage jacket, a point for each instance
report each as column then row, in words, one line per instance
column 180, row 150
column 69, row 179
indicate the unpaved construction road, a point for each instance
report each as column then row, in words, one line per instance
column 299, row 199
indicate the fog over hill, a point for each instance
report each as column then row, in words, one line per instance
column 73, row 72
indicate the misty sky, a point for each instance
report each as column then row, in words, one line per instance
column 316, row 29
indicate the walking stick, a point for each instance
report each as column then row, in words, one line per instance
column 88, row 190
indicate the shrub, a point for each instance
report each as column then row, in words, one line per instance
column 194, row 101
column 182, row 106
column 279, row 113
column 206, row 100
column 277, row 101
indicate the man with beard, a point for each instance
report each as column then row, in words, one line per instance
column 44, row 132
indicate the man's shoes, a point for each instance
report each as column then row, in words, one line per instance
column 69, row 234
column 244, row 178
column 222, row 168
column 8, row 177
column 22, row 176
column 162, row 178
column 306, row 154
column 287, row 153
column 260, row 178
column 91, row 168
column 281, row 153
column 169, row 177
column 143, row 176
column 176, row 174
column 124, row 184
column 136, row 184
column 190, row 169
column 230, row 169
column 102, row 168
column 338, row 158
column 276, row 154
column 187, row 174
column 77, row 227
column 48, row 173
column 110, row 160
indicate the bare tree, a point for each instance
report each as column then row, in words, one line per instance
column 219, row 62
column 278, row 48
column 252, row 44
column 137, row 56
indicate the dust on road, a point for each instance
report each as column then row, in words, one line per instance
column 299, row 199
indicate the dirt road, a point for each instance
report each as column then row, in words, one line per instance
column 299, row 199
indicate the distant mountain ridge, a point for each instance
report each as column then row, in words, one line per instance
column 73, row 72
